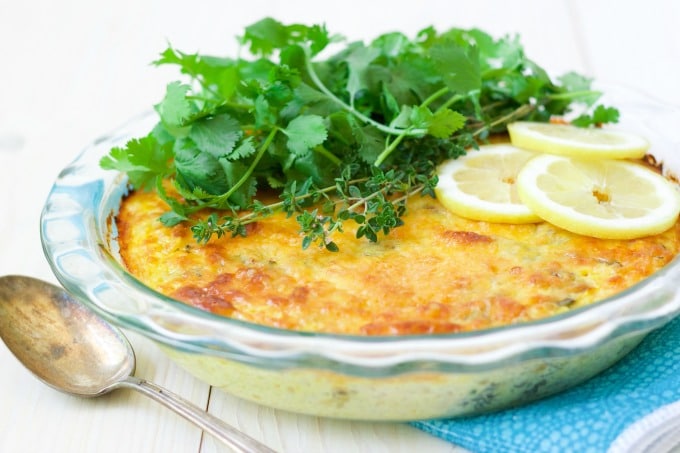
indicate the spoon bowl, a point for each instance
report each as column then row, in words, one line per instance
column 68, row 347
column 59, row 340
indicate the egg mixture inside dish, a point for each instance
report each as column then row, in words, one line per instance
column 438, row 273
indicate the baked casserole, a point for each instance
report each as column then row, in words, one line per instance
column 438, row 273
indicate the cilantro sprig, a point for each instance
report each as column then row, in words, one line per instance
column 347, row 136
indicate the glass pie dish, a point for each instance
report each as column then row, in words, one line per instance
column 354, row 377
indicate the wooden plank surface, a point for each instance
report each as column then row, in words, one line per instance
column 73, row 70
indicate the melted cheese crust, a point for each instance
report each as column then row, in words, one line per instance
column 437, row 273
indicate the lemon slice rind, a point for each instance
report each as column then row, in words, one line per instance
column 495, row 200
column 656, row 208
column 568, row 140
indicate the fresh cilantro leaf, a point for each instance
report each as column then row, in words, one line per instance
column 268, row 35
column 393, row 45
column 499, row 56
column 171, row 218
column 200, row 169
column 274, row 182
column 404, row 118
column 311, row 166
column 318, row 38
column 391, row 105
column 307, row 95
column 175, row 109
column 234, row 171
column 217, row 74
column 195, row 193
column 308, row 99
column 420, row 117
column 265, row 115
column 600, row 115
column 575, row 82
column 245, row 149
column 371, row 142
column 265, row 36
column 445, row 122
column 458, row 65
column 412, row 79
column 304, row 133
column 278, row 93
column 142, row 159
column 216, row 135
column 357, row 61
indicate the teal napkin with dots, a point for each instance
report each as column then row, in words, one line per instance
column 616, row 411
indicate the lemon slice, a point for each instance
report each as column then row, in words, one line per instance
column 481, row 185
column 610, row 199
column 568, row 140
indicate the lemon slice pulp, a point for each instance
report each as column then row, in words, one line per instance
column 481, row 185
column 609, row 199
column 568, row 140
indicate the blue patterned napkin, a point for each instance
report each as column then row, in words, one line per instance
column 590, row 417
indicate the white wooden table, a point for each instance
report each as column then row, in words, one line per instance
column 71, row 70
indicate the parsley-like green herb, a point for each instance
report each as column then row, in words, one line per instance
column 349, row 136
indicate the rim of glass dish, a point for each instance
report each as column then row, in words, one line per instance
column 535, row 334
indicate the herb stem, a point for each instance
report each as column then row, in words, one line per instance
column 328, row 155
column 275, row 207
column 406, row 195
column 519, row 112
column 236, row 106
column 319, row 84
column 412, row 131
column 251, row 168
column 434, row 96
column 391, row 147
column 570, row 95
column 452, row 100
column 416, row 190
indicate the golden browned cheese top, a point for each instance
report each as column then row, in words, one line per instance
column 437, row 273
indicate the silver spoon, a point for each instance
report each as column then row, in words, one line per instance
column 70, row 348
